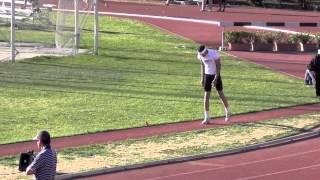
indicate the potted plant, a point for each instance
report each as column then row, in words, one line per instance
column 239, row 40
column 263, row 41
column 284, row 42
column 306, row 42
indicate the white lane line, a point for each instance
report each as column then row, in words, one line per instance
column 163, row 18
column 236, row 165
column 196, row 163
column 150, row 16
column 280, row 172
column 217, row 23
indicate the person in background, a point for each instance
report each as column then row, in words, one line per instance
column 204, row 5
column 314, row 66
column 210, row 76
column 34, row 3
column 45, row 163
column 222, row 5
column 168, row 2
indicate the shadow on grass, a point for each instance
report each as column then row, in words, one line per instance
column 104, row 69
column 148, row 51
column 135, row 89
column 132, row 94
column 138, row 89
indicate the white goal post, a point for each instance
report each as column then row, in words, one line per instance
column 76, row 27
column 13, row 32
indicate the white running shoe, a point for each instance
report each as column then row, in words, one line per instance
column 228, row 115
column 205, row 121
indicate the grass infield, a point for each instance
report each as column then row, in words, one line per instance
column 141, row 74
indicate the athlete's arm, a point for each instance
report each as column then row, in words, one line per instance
column 202, row 74
column 218, row 69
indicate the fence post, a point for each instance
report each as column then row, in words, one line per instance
column 96, row 27
column 13, row 33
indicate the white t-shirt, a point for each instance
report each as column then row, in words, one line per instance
column 209, row 61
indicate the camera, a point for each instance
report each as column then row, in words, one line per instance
column 25, row 160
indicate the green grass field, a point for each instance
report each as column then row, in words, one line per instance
column 141, row 74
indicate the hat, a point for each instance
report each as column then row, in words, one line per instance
column 43, row 136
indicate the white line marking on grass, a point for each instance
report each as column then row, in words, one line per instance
column 236, row 165
column 280, row 172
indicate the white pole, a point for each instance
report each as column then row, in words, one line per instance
column 13, row 33
column 76, row 26
column 96, row 27
column 222, row 39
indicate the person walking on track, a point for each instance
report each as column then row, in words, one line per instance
column 210, row 76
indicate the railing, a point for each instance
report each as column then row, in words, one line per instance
column 285, row 4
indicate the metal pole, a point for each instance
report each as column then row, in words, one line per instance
column 96, row 27
column 222, row 39
column 76, row 26
column 13, row 32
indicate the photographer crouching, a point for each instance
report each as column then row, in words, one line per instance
column 44, row 164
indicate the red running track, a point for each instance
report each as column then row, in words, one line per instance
column 231, row 14
column 291, row 64
column 297, row 161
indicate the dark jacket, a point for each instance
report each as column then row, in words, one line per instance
column 314, row 64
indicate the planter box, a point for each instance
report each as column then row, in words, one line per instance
column 239, row 47
column 308, row 47
column 286, row 47
column 262, row 47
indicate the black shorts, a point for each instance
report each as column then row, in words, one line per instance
column 208, row 79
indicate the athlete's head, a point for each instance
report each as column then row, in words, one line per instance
column 202, row 50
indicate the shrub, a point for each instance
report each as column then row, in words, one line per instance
column 281, row 37
column 304, row 38
column 317, row 37
column 265, row 37
column 239, row 37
